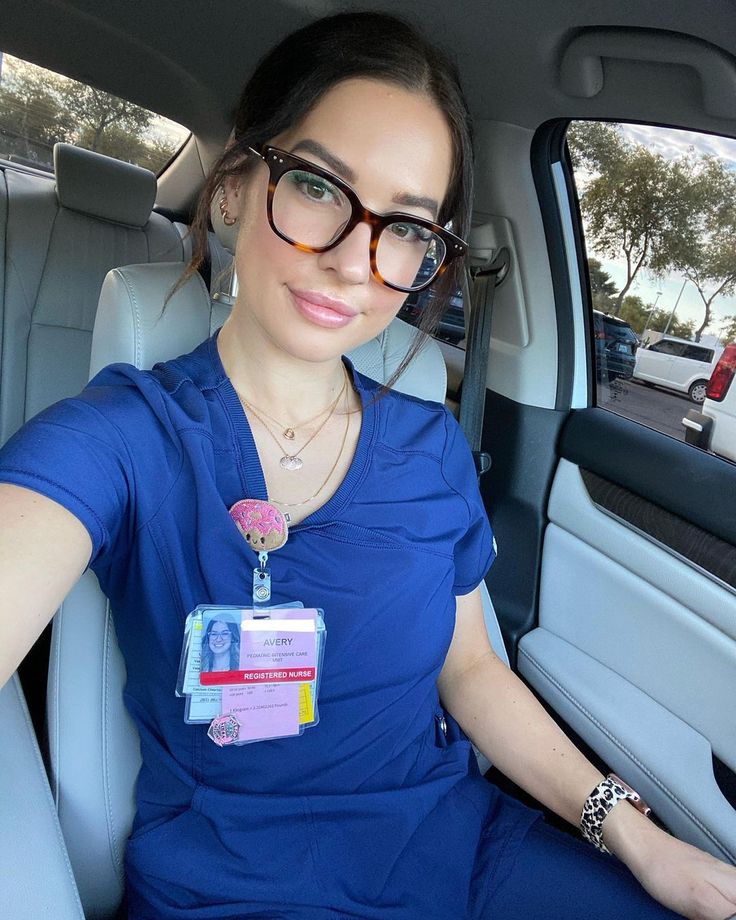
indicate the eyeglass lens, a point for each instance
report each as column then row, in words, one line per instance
column 310, row 210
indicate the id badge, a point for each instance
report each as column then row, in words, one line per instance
column 252, row 673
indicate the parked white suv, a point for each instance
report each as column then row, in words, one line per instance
column 677, row 364
column 715, row 427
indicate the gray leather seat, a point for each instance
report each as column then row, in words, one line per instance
column 62, row 236
column 37, row 877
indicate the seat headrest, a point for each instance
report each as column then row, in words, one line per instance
column 103, row 187
column 130, row 327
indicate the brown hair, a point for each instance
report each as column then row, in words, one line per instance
column 291, row 79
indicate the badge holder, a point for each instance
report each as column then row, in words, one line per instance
column 253, row 673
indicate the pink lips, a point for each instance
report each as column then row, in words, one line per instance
column 322, row 310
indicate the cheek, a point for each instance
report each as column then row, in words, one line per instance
column 386, row 303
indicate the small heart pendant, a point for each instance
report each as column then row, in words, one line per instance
column 290, row 463
column 289, row 434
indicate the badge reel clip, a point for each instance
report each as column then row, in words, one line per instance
column 253, row 673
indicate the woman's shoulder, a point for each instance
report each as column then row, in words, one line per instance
column 173, row 392
column 408, row 423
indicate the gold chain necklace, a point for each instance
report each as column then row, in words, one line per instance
column 332, row 468
column 289, row 431
column 293, row 461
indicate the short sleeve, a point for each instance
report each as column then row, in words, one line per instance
column 73, row 454
column 475, row 549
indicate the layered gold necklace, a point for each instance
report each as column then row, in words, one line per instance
column 291, row 461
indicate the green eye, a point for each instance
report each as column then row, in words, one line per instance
column 313, row 187
column 411, row 233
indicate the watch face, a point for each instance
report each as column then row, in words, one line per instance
column 636, row 800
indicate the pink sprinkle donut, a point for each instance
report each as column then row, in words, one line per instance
column 262, row 524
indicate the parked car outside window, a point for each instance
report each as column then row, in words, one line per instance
column 615, row 347
column 714, row 428
column 676, row 364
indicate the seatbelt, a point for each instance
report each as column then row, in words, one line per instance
column 485, row 279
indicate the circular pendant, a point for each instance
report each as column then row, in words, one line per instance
column 290, row 463
column 289, row 434
column 261, row 523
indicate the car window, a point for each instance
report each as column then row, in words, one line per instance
column 656, row 214
column 669, row 348
column 451, row 327
column 698, row 354
column 39, row 108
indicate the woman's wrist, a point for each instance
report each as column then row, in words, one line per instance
column 629, row 835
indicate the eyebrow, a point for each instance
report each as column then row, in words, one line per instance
column 343, row 170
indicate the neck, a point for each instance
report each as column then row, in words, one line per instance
column 262, row 374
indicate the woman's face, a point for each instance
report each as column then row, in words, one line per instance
column 220, row 638
column 391, row 143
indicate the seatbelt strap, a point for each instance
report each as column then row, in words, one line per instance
column 485, row 279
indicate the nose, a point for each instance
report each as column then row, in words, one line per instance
column 350, row 259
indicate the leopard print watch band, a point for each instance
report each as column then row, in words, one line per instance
column 600, row 802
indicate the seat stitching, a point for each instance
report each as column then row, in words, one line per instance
column 38, row 325
column 136, row 316
column 619, row 744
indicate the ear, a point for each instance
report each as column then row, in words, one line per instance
column 234, row 198
column 232, row 187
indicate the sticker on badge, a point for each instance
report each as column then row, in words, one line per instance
column 262, row 525
column 224, row 730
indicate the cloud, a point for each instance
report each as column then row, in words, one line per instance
column 673, row 143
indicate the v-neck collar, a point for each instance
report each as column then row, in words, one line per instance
column 366, row 388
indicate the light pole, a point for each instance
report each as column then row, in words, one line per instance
column 649, row 316
column 672, row 314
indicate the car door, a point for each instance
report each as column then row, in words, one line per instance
column 656, row 363
column 616, row 576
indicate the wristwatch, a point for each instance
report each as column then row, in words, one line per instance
column 601, row 801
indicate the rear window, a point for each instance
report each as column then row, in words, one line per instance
column 669, row 348
column 39, row 108
column 698, row 354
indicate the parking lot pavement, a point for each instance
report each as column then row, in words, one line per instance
column 655, row 408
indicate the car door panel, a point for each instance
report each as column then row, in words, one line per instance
column 635, row 736
column 635, row 646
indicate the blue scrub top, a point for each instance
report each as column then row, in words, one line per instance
column 374, row 813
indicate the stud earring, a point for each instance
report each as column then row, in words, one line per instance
column 226, row 219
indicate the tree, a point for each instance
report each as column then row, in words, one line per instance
column 708, row 257
column 637, row 315
column 31, row 120
column 95, row 111
column 39, row 108
column 635, row 203
column 602, row 286
column 728, row 330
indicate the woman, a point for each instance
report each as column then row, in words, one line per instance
column 378, row 811
column 221, row 647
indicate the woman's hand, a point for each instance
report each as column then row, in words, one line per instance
column 689, row 881
column 680, row 876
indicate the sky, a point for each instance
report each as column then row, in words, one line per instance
column 672, row 144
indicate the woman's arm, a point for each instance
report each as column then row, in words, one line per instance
column 504, row 720
column 43, row 551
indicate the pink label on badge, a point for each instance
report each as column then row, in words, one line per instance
column 270, row 711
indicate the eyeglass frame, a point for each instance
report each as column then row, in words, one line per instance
column 279, row 162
